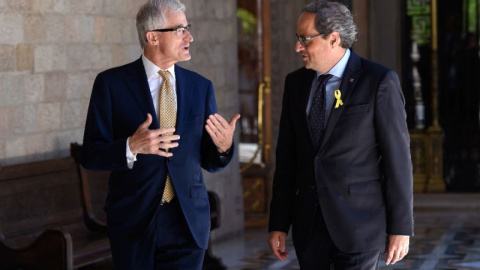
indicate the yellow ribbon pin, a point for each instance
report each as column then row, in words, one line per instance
column 338, row 96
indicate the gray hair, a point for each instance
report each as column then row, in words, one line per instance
column 333, row 17
column 152, row 15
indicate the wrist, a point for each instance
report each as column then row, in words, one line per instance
column 130, row 149
column 224, row 153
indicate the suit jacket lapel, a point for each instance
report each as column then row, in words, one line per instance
column 305, row 88
column 138, row 85
column 184, row 86
column 347, row 85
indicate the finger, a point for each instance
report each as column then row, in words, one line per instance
column 159, row 132
column 216, row 122
column 273, row 242
column 234, row 119
column 164, row 142
column 210, row 125
column 389, row 257
column 396, row 257
column 155, row 139
column 281, row 255
column 281, row 245
column 162, row 131
column 163, row 153
column 221, row 121
column 167, row 145
column 273, row 246
column 281, row 249
column 152, row 149
column 212, row 132
column 168, row 138
column 147, row 121
column 403, row 253
column 278, row 255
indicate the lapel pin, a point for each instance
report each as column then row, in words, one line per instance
column 338, row 96
column 351, row 80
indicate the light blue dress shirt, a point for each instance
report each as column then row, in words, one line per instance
column 332, row 84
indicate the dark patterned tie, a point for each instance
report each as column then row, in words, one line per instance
column 316, row 117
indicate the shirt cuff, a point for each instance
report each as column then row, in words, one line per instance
column 131, row 158
column 225, row 156
column 226, row 153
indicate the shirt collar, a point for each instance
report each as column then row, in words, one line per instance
column 339, row 68
column 152, row 70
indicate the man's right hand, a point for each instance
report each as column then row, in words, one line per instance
column 276, row 241
column 146, row 141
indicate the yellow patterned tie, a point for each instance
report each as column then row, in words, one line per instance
column 167, row 113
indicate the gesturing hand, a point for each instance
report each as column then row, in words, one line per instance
column 221, row 131
column 146, row 141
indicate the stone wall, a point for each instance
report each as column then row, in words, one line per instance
column 214, row 55
column 51, row 51
column 284, row 16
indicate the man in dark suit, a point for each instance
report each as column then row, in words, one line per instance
column 343, row 177
column 157, row 206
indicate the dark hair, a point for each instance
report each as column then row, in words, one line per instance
column 333, row 17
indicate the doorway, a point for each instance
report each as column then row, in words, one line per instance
column 255, row 108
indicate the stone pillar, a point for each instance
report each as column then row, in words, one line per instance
column 284, row 16
column 386, row 41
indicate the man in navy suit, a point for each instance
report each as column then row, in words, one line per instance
column 124, row 135
column 343, row 178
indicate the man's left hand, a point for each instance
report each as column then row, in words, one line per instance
column 221, row 131
column 397, row 248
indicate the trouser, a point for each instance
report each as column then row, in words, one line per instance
column 166, row 244
column 322, row 254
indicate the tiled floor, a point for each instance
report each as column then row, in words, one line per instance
column 447, row 236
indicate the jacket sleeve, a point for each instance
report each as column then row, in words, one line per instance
column 283, row 180
column 211, row 159
column 100, row 150
column 394, row 142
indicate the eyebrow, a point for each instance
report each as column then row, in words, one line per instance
column 181, row 25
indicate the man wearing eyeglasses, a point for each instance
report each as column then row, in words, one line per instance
column 343, row 178
column 155, row 125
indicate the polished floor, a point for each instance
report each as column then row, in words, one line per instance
column 447, row 236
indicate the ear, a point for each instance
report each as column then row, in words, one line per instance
column 151, row 38
column 334, row 39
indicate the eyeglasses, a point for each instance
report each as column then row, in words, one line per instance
column 179, row 31
column 304, row 40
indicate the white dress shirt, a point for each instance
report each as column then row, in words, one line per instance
column 154, row 83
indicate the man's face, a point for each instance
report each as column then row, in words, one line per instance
column 315, row 54
column 172, row 48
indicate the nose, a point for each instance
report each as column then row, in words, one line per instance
column 188, row 35
column 299, row 47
